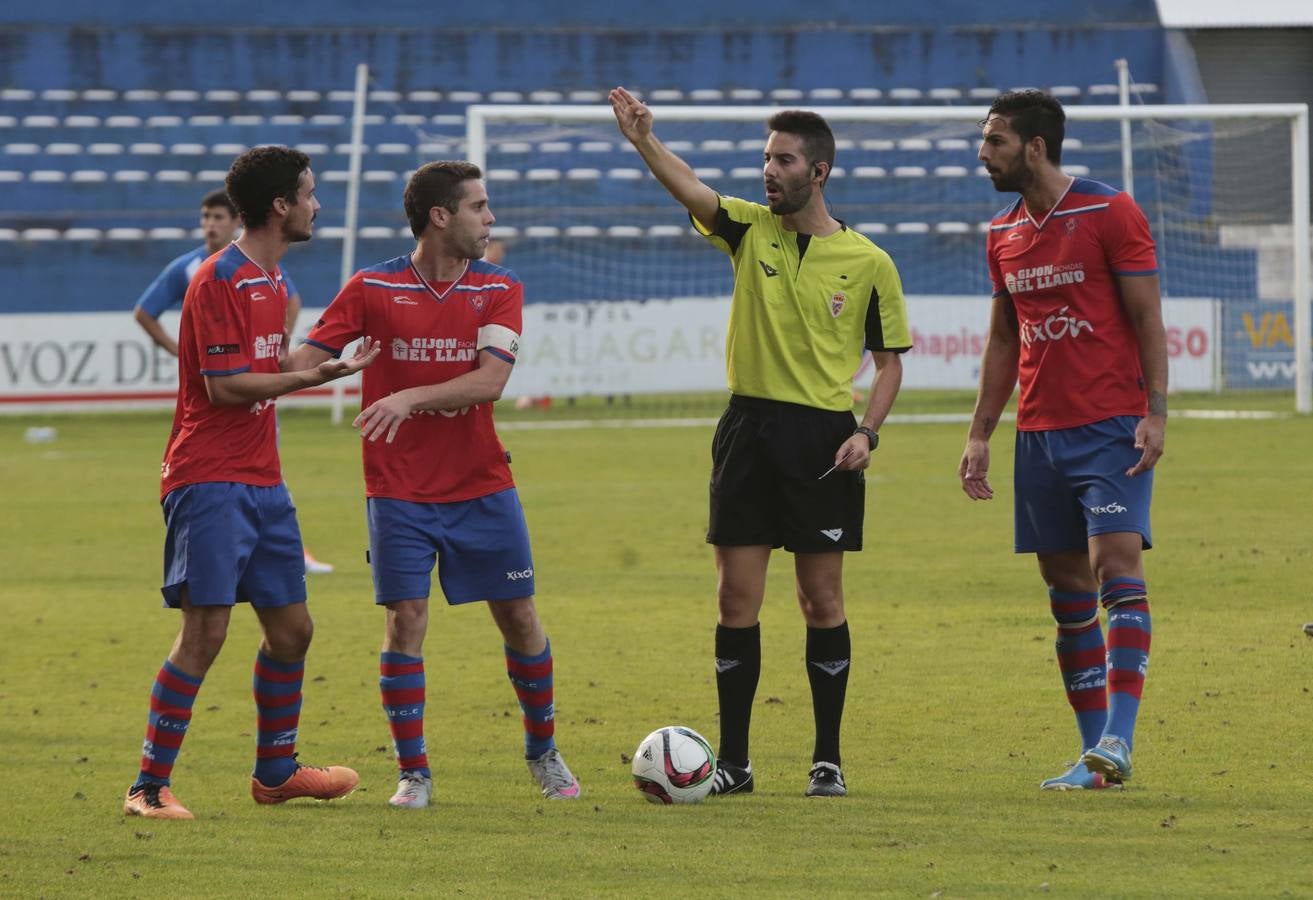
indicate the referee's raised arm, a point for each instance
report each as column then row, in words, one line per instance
column 635, row 122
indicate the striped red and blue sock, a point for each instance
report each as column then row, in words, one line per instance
column 532, row 678
column 171, row 701
column 401, row 681
column 277, row 689
column 1082, row 660
column 1130, row 630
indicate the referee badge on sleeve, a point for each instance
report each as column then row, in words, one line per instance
column 837, row 301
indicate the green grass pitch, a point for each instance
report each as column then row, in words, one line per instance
column 955, row 710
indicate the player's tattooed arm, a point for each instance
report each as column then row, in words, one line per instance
column 1158, row 404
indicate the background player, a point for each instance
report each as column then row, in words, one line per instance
column 1077, row 316
column 796, row 335
column 232, row 533
column 439, row 481
column 219, row 222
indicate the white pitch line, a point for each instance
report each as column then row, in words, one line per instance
column 895, row 419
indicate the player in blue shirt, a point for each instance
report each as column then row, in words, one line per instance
column 220, row 223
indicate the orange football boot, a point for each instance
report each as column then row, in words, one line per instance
column 321, row 783
column 154, row 801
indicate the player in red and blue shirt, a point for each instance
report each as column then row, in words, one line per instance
column 437, row 478
column 219, row 222
column 1077, row 318
column 231, row 530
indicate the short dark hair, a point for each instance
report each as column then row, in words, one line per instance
column 260, row 176
column 219, row 198
column 1033, row 114
column 814, row 131
column 439, row 183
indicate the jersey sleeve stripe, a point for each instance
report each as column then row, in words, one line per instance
column 225, row 371
column 336, row 351
column 1134, row 273
column 500, row 354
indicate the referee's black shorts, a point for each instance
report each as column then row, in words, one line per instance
column 767, row 458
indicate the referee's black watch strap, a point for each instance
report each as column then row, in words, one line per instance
column 871, row 435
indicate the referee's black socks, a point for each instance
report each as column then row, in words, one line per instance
column 738, row 667
column 829, row 652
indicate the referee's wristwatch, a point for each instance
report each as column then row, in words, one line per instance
column 871, row 435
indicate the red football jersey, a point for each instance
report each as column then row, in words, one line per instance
column 430, row 333
column 232, row 322
column 1080, row 361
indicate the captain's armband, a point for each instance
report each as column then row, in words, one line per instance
column 500, row 341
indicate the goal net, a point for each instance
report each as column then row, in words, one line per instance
column 624, row 300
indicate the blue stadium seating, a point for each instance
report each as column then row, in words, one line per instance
column 110, row 134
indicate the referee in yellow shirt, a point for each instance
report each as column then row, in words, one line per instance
column 809, row 295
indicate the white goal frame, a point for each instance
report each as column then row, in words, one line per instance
column 478, row 116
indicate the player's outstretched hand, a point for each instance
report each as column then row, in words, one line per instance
column 383, row 417
column 1150, row 436
column 365, row 354
column 633, row 117
column 974, row 471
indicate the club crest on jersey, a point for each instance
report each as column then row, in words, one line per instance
column 837, row 300
column 1071, row 225
column 478, row 301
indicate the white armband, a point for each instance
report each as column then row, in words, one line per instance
column 500, row 340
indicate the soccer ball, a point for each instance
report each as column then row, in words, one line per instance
column 674, row 765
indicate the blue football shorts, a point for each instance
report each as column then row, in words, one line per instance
column 1071, row 484
column 232, row 543
column 481, row 547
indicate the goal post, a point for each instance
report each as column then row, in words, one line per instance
column 1225, row 188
